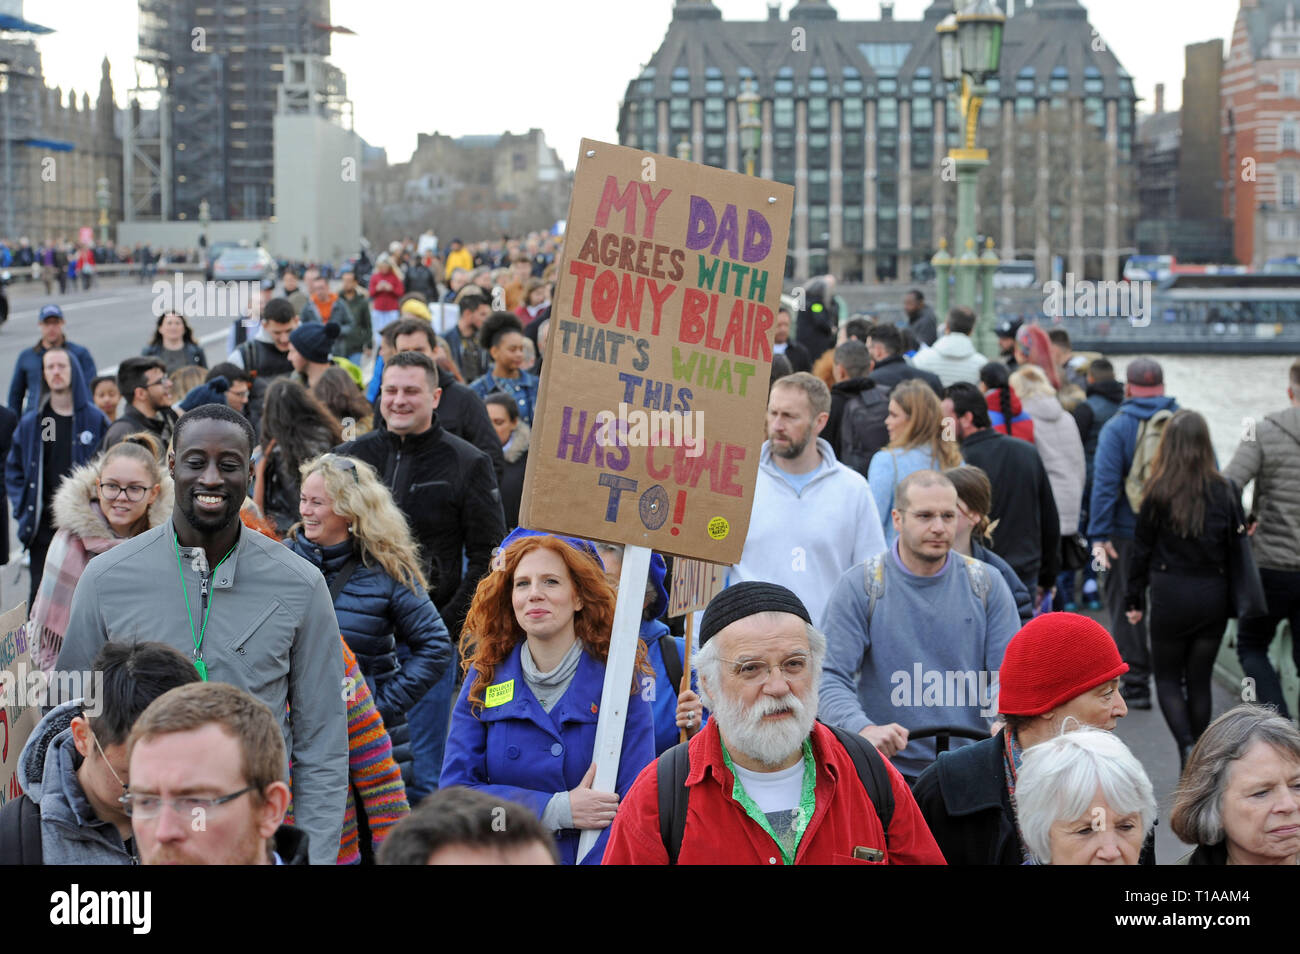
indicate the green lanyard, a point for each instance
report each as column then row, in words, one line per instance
column 803, row 814
column 199, row 664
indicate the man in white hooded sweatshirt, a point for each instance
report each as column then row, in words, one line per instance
column 813, row 516
column 953, row 357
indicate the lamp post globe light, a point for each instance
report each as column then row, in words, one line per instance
column 970, row 51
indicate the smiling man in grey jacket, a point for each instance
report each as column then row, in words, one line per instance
column 260, row 619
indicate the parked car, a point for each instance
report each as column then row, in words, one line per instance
column 214, row 252
column 243, row 264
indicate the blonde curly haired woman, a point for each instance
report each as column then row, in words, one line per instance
column 353, row 531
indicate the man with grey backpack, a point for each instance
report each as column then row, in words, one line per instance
column 1125, row 450
column 916, row 634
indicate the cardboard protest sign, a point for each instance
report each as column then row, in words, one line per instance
column 18, row 711
column 658, row 356
column 694, row 583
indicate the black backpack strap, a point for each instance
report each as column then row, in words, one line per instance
column 870, row 765
column 672, row 661
column 20, row 833
column 674, row 797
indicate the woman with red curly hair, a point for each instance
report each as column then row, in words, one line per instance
column 535, row 644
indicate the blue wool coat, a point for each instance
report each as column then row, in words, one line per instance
column 663, row 700
column 518, row 751
column 375, row 613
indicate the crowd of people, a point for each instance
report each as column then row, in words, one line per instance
column 898, row 670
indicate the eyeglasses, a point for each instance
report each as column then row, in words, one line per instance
column 947, row 517
column 134, row 493
column 164, row 382
column 757, row 671
column 100, row 749
column 149, row 806
column 238, row 395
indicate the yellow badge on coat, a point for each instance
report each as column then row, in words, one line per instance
column 499, row 694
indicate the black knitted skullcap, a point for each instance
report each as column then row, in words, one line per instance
column 748, row 599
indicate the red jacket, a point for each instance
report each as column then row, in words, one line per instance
column 386, row 300
column 719, row 832
column 1022, row 426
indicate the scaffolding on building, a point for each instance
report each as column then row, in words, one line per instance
column 217, row 73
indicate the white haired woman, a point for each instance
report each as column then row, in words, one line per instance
column 1083, row 799
column 1239, row 797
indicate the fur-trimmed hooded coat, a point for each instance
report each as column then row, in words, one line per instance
column 83, row 534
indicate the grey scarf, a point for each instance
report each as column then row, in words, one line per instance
column 548, row 687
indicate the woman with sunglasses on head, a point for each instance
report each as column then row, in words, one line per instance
column 114, row 497
column 354, row 533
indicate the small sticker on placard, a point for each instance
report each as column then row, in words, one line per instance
column 719, row 528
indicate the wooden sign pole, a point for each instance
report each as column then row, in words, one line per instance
column 615, row 696
column 687, row 658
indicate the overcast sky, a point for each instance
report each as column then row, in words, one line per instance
column 490, row 66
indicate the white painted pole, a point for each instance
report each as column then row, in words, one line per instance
column 615, row 696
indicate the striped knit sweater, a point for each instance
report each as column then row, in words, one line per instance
column 374, row 775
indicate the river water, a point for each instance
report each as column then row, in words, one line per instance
column 1231, row 392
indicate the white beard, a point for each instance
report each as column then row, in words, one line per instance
column 770, row 743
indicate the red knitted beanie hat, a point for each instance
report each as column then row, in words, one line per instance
column 1054, row 658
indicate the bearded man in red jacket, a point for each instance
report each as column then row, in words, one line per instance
column 764, row 782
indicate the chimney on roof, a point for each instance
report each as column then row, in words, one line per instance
column 774, row 11
column 886, row 10
column 1160, row 98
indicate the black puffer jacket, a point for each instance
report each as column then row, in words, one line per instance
column 448, row 491
column 375, row 613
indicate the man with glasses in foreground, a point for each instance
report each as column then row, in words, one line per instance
column 73, row 768
column 766, row 783
column 207, row 781
column 916, row 635
column 148, row 392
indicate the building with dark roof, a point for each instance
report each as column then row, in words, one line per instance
column 856, row 116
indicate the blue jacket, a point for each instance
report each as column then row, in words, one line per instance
column 523, row 389
column 518, row 751
column 1109, row 515
column 25, row 388
column 24, row 468
column 663, row 698
column 375, row 613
